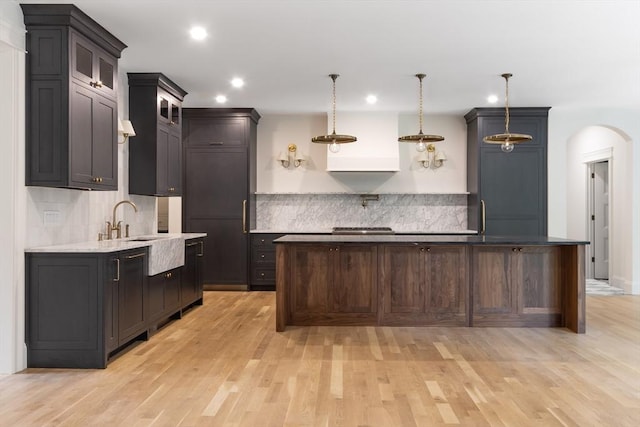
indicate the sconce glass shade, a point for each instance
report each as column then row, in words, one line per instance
column 283, row 157
column 507, row 139
column 440, row 156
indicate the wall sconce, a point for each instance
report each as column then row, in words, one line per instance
column 125, row 130
column 431, row 158
column 292, row 152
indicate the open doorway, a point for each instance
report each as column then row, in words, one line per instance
column 599, row 216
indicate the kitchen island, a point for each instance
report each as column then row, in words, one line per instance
column 427, row 280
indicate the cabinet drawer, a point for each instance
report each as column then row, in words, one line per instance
column 264, row 239
column 263, row 275
column 261, row 255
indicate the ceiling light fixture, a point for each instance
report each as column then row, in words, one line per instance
column 237, row 82
column 333, row 140
column 506, row 139
column 372, row 99
column 198, row 33
column 420, row 138
column 492, row 99
column 221, row 99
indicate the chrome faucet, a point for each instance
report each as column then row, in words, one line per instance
column 115, row 225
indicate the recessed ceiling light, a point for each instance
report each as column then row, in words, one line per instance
column 237, row 82
column 198, row 33
column 372, row 99
column 492, row 99
column 221, row 99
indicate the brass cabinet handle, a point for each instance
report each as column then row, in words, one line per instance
column 216, row 143
column 141, row 254
column 244, row 216
column 261, row 274
column 117, row 279
column 483, row 213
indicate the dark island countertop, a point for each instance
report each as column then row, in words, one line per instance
column 430, row 239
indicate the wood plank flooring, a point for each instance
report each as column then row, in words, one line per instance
column 223, row 364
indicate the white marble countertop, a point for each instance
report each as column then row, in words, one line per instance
column 114, row 245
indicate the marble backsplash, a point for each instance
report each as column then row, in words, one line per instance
column 402, row 212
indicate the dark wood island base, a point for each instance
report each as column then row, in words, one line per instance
column 422, row 280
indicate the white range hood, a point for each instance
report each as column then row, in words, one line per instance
column 376, row 149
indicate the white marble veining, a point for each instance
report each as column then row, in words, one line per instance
column 404, row 213
column 166, row 251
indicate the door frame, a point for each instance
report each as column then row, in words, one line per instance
column 589, row 159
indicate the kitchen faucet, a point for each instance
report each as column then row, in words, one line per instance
column 116, row 225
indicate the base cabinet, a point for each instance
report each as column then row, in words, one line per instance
column 424, row 285
column 82, row 308
column 517, row 286
column 334, row 284
column 191, row 283
column 263, row 262
column 164, row 295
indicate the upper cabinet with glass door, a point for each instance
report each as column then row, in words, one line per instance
column 93, row 66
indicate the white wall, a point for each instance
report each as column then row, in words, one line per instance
column 12, row 218
column 572, row 133
column 276, row 132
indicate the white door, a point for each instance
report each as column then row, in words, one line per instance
column 601, row 220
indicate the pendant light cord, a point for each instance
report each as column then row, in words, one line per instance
column 506, row 103
column 420, row 77
column 334, row 77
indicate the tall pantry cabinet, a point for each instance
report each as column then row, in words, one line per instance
column 219, row 183
column 507, row 191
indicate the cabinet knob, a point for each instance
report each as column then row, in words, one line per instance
column 515, row 249
column 261, row 274
column 421, row 249
column 172, row 189
column 262, row 256
column 97, row 83
column 519, row 249
column 428, row 249
column 261, row 240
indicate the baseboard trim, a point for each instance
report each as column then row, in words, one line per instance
column 223, row 287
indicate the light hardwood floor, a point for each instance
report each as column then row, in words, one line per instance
column 223, row 364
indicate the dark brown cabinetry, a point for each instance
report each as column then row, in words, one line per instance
column 424, row 285
column 164, row 295
column 332, row 284
column 263, row 262
column 191, row 285
column 219, row 165
column 517, row 286
column 82, row 307
column 508, row 191
column 155, row 156
column 71, row 107
column 131, row 275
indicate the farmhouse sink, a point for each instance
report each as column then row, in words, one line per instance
column 165, row 252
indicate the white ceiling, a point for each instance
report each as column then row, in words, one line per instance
column 569, row 53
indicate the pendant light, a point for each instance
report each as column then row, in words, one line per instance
column 334, row 139
column 420, row 138
column 506, row 139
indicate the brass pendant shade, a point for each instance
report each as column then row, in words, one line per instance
column 507, row 139
column 420, row 138
column 333, row 139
